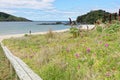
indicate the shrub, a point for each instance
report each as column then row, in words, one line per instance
column 26, row 35
column 113, row 28
column 74, row 31
column 99, row 29
column 110, row 37
column 50, row 34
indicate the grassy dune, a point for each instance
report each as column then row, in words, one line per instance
column 93, row 55
column 5, row 68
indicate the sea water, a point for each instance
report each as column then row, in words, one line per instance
column 7, row 28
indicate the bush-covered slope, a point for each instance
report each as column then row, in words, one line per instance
column 8, row 17
column 93, row 16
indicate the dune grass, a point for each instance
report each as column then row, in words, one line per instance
column 93, row 55
column 5, row 68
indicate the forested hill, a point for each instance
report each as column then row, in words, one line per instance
column 8, row 17
column 93, row 16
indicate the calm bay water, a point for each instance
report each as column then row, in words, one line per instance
column 7, row 28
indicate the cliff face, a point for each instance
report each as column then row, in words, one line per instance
column 8, row 17
column 93, row 16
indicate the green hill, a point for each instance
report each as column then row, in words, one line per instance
column 8, row 17
column 93, row 16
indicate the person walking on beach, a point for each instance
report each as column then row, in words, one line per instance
column 87, row 27
column 30, row 32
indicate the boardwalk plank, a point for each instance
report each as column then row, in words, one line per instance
column 22, row 70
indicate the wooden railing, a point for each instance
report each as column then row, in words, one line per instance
column 22, row 70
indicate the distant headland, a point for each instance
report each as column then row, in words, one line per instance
column 9, row 17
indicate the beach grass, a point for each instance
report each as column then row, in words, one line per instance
column 93, row 55
column 5, row 73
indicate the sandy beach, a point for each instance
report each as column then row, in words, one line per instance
column 21, row 35
column 82, row 27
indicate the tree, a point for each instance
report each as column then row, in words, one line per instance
column 93, row 16
column 70, row 21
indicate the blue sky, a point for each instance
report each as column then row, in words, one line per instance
column 50, row 10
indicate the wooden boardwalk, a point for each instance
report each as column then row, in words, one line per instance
column 22, row 70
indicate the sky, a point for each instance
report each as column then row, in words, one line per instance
column 55, row 10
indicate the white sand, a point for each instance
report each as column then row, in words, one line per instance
column 84, row 27
column 21, row 35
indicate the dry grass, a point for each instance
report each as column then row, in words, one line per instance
column 94, row 56
column 5, row 68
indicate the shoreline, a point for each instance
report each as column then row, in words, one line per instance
column 83, row 27
column 2, row 37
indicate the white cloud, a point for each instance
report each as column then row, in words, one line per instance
column 62, row 14
column 28, row 4
column 44, row 9
column 8, row 11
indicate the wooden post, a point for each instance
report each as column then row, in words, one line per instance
column 110, row 18
column 119, row 15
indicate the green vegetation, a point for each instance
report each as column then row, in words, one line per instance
column 5, row 68
column 8, row 17
column 93, row 16
column 113, row 28
column 93, row 55
column 74, row 31
column 99, row 29
column 50, row 34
